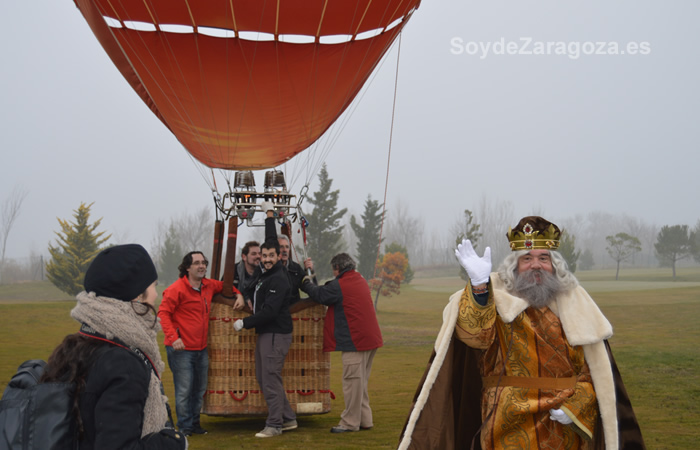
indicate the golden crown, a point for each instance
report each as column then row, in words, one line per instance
column 534, row 232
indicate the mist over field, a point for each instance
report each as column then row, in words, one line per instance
column 584, row 114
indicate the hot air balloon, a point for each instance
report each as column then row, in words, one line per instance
column 247, row 85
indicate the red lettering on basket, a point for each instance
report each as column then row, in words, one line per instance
column 226, row 319
column 306, row 393
column 238, row 399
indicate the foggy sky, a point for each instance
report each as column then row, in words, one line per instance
column 550, row 133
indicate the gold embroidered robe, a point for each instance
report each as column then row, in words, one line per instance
column 536, row 347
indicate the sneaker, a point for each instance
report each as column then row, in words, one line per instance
column 339, row 429
column 269, row 432
column 197, row 429
column 186, row 432
column 291, row 425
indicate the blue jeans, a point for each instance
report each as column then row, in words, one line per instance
column 190, row 379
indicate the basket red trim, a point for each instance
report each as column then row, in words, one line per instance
column 238, row 399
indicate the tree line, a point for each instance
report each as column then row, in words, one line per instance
column 374, row 237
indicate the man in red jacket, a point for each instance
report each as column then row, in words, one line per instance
column 184, row 315
column 350, row 327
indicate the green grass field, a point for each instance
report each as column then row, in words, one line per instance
column 656, row 346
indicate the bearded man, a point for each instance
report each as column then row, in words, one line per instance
column 537, row 372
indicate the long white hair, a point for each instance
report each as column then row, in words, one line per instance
column 509, row 267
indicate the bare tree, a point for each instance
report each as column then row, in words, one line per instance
column 598, row 225
column 407, row 231
column 633, row 226
column 648, row 237
column 621, row 247
column 195, row 229
column 495, row 217
column 120, row 237
column 10, row 211
column 574, row 226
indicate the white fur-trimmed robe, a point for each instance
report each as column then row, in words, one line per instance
column 583, row 323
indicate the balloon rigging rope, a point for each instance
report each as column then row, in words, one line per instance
column 388, row 159
column 333, row 134
column 314, row 167
column 187, row 120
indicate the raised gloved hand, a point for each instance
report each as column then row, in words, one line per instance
column 557, row 415
column 238, row 325
column 478, row 268
column 267, row 206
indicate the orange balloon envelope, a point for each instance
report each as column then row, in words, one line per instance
column 246, row 84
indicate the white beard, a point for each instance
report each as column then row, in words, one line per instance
column 537, row 293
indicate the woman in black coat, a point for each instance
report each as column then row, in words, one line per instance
column 114, row 360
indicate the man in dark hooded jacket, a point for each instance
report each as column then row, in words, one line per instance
column 273, row 325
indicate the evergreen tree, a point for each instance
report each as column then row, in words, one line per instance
column 324, row 234
column 76, row 247
column 396, row 247
column 567, row 249
column 467, row 229
column 586, row 262
column 368, row 240
column 170, row 256
column 622, row 246
column 695, row 241
column 673, row 244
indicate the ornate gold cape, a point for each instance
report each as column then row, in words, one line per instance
column 446, row 412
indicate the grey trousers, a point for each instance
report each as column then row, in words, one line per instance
column 270, row 352
column 356, row 369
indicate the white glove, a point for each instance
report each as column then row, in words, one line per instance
column 238, row 325
column 267, row 206
column 478, row 268
column 557, row 415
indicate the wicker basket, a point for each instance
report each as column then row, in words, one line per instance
column 232, row 388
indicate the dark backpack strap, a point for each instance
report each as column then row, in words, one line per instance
column 88, row 331
column 28, row 374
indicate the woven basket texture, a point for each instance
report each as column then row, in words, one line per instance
column 232, row 389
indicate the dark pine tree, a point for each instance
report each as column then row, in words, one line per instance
column 368, row 239
column 325, row 233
